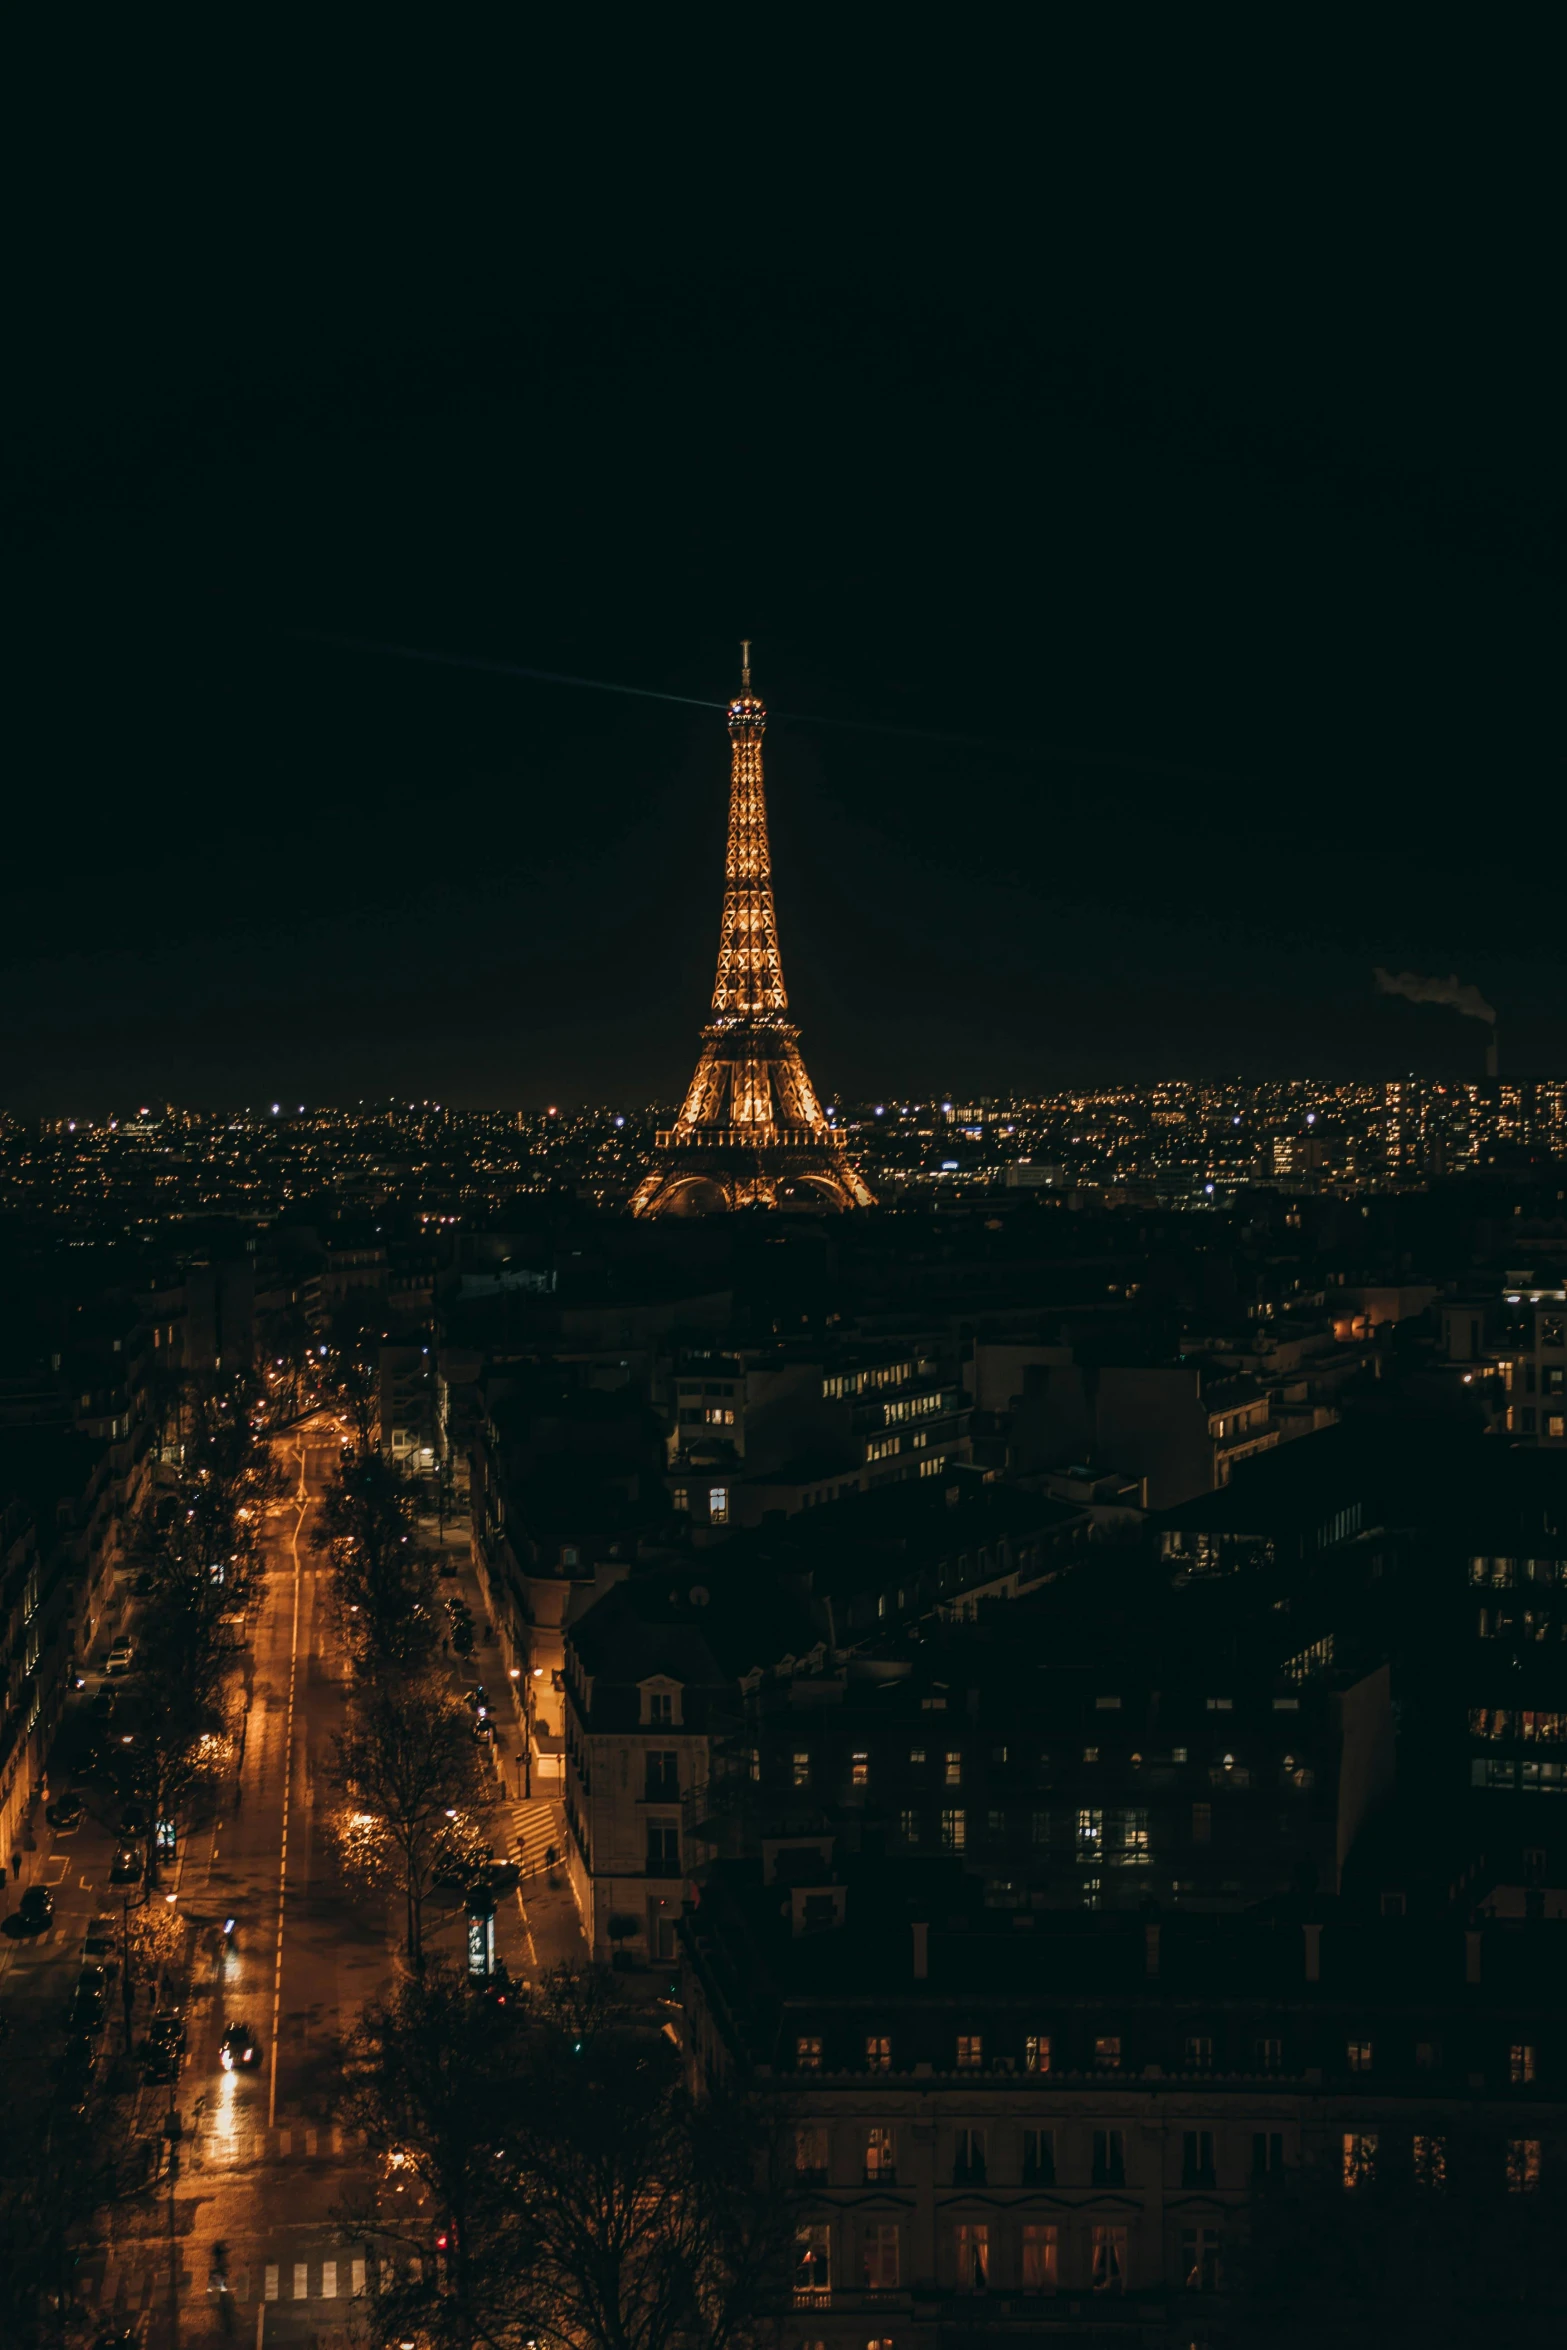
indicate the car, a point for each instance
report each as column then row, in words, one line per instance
column 87, row 2007
column 448, row 1567
column 64, row 1815
column 99, row 1944
column 475, row 1699
column 484, row 1731
column 103, row 1705
column 121, row 1657
column 125, row 1868
column 133, row 1818
column 239, row 2049
column 159, row 2063
column 167, row 2028
column 35, row 1910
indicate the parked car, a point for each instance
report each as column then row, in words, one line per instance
column 159, row 2063
column 125, row 1868
column 87, row 2007
column 35, row 1910
column 167, row 2028
column 121, row 1657
column 99, row 1944
column 64, row 1814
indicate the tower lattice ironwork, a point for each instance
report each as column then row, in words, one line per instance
column 751, row 1132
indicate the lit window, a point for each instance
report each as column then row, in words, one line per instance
column 802, row 1770
column 953, row 1831
column 971, row 2052
column 810, row 2153
column 1520, row 2061
column 1090, row 1834
column 1036, row 2053
column 1041, row 2256
column 1107, row 2050
column 1220, row 1705
column 718, row 1504
column 971, row 2245
column 1357, row 2055
column 881, row 2154
column 916, row 1754
column 680, row 1498
column 879, row 2257
column 813, row 2261
column 1109, row 2266
column 954, row 1771
column 1270, row 2055
column 808, row 2054
column 1199, row 2053
column 909, row 1826
column 1429, row 2157
column 878, row 2053
column 1358, row 2158
column 1090, row 1754
column 1523, row 2165
column 860, row 1770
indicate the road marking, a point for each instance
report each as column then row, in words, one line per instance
column 302, row 1503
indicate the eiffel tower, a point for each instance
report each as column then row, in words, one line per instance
column 750, row 1132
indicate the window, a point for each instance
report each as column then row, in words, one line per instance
column 881, row 2153
column 1520, row 2061
column 1197, row 2158
column 1107, row 2051
column 719, row 1415
column 661, row 1708
column 662, row 1783
column 879, row 2257
column 954, row 1770
column 1220, row 1705
column 1523, row 2165
column 1202, row 1823
column 971, row 2248
column 1090, row 1754
column 1040, row 1827
column 718, row 1504
column 909, row 1826
column 1090, row 1833
column 808, row 2054
column 679, row 1497
column 1357, row 2055
column 1358, row 2157
column 810, row 2155
column 1109, row 2158
column 1041, row 2256
column 1039, row 2158
column 802, row 1769
column 878, row 2053
column 1200, row 2260
column 1129, row 1838
column 1267, row 2153
column 1429, row 2161
column 916, row 1754
column 952, row 1831
column 971, row 2052
column 812, row 2261
column 968, row 2158
column 1036, row 2053
column 663, row 1848
column 1270, row 2055
column 1109, row 2269
column 860, row 1770
column 1199, row 2053
column 1428, row 2056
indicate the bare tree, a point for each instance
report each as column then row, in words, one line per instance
column 383, row 1581
column 581, row 2194
column 409, row 1767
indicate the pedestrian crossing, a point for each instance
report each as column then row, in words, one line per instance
column 225, row 2145
column 535, row 1827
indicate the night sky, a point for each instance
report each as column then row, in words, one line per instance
column 1168, row 438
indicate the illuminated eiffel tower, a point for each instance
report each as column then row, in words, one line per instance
column 750, row 1132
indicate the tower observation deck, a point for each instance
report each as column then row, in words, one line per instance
column 751, row 1132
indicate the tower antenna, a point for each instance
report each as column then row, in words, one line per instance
column 745, row 665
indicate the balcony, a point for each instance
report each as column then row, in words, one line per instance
column 748, row 1138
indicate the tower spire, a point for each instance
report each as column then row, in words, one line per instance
column 750, row 1132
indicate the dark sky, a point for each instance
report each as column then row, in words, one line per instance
column 1180, row 426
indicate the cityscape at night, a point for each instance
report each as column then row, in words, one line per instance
column 783, row 1416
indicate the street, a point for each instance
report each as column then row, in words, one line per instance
column 263, row 2166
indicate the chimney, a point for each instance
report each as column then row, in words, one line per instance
column 1313, row 1936
column 1472, row 1955
column 921, row 1953
column 1151, row 1952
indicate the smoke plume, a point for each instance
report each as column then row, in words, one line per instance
column 1452, row 990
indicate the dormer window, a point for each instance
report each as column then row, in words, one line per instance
column 660, row 1705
